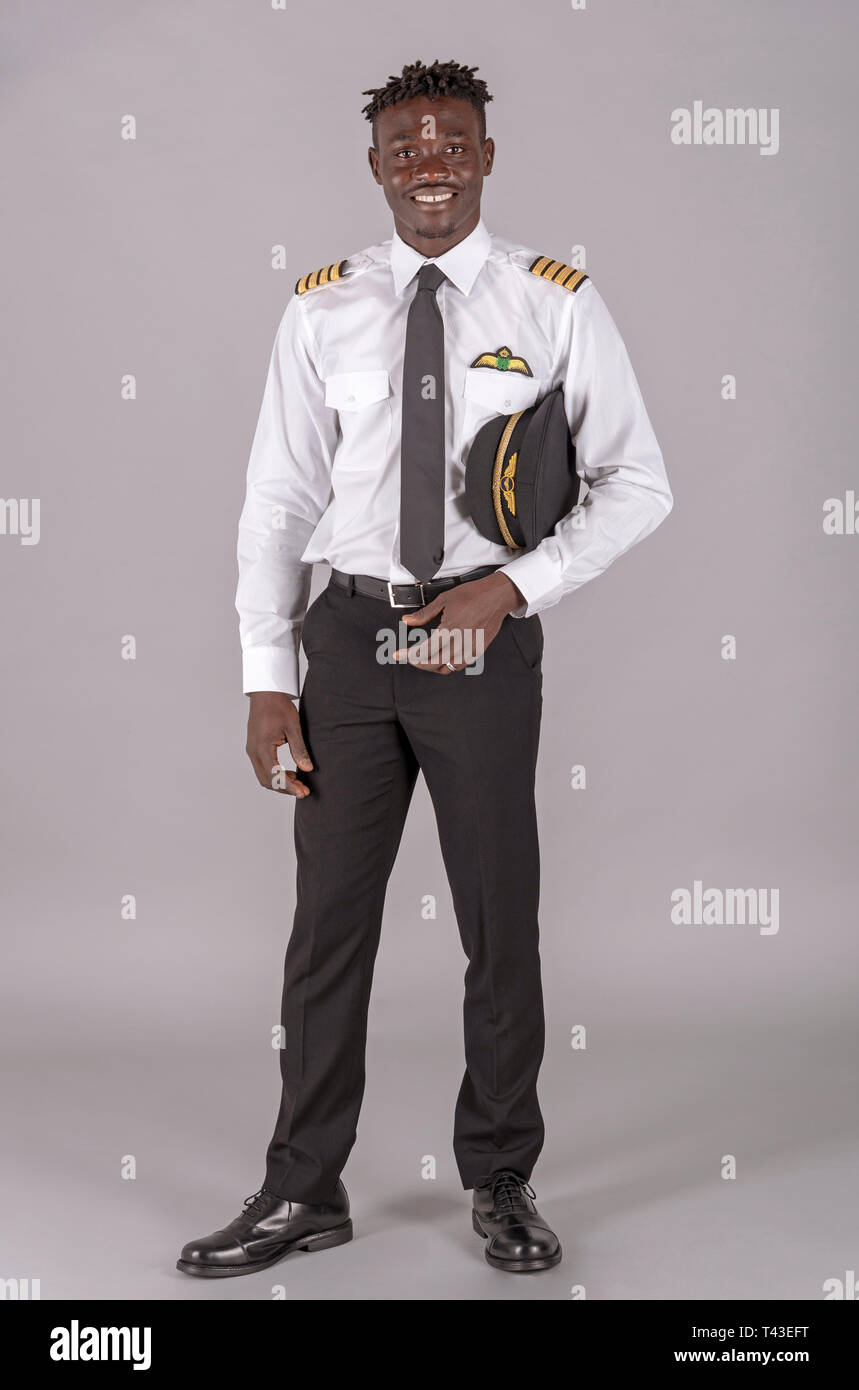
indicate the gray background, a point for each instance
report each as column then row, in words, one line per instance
column 152, row 1037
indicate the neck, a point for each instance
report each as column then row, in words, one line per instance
column 431, row 247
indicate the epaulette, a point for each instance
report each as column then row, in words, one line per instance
column 317, row 278
column 559, row 274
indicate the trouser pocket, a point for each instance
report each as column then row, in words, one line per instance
column 527, row 639
column 309, row 628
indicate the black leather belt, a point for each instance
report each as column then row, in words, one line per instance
column 404, row 595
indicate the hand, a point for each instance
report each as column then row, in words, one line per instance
column 274, row 720
column 481, row 605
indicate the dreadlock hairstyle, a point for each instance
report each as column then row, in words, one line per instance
column 431, row 81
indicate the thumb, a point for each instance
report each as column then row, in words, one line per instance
column 298, row 749
column 422, row 615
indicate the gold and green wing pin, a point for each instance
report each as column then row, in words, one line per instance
column 558, row 273
column 326, row 276
column 503, row 361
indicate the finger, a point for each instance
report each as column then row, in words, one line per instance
column 284, row 779
column 406, row 655
column 447, row 650
column 297, row 747
column 441, row 643
column 433, row 653
column 287, row 782
column 418, row 653
column 259, row 767
column 274, row 777
column 294, row 785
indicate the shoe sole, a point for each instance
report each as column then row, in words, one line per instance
column 324, row 1240
column 515, row 1266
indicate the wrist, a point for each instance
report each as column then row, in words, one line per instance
column 508, row 595
column 262, row 697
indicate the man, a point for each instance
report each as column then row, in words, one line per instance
column 384, row 367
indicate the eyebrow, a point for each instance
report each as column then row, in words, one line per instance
column 406, row 137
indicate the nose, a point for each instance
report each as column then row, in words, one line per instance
column 432, row 169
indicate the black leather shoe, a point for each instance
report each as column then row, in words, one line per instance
column 517, row 1238
column 268, row 1229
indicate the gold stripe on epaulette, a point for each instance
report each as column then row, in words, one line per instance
column 558, row 273
column 326, row 276
column 573, row 280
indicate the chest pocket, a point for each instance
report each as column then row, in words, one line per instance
column 353, row 391
column 363, row 404
column 488, row 392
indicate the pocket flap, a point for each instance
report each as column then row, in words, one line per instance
column 352, row 390
column 501, row 392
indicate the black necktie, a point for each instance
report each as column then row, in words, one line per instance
column 422, row 471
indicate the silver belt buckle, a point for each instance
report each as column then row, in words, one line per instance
column 417, row 584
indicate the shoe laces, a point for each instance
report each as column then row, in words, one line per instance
column 509, row 1190
column 254, row 1203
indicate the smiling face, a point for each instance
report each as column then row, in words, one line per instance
column 431, row 163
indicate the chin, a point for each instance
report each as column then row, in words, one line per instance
column 437, row 230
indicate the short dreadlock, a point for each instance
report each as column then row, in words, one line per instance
column 432, row 81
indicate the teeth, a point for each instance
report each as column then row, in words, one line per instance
column 432, row 197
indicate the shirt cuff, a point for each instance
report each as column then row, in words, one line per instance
column 271, row 668
column 535, row 577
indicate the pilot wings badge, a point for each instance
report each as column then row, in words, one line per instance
column 502, row 360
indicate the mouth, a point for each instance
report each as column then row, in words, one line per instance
column 441, row 195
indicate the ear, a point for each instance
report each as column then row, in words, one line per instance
column 488, row 157
column 373, row 157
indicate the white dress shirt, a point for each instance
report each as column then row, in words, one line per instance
column 323, row 480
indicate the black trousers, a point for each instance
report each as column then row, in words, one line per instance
column 370, row 727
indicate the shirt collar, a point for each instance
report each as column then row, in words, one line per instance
column 461, row 264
